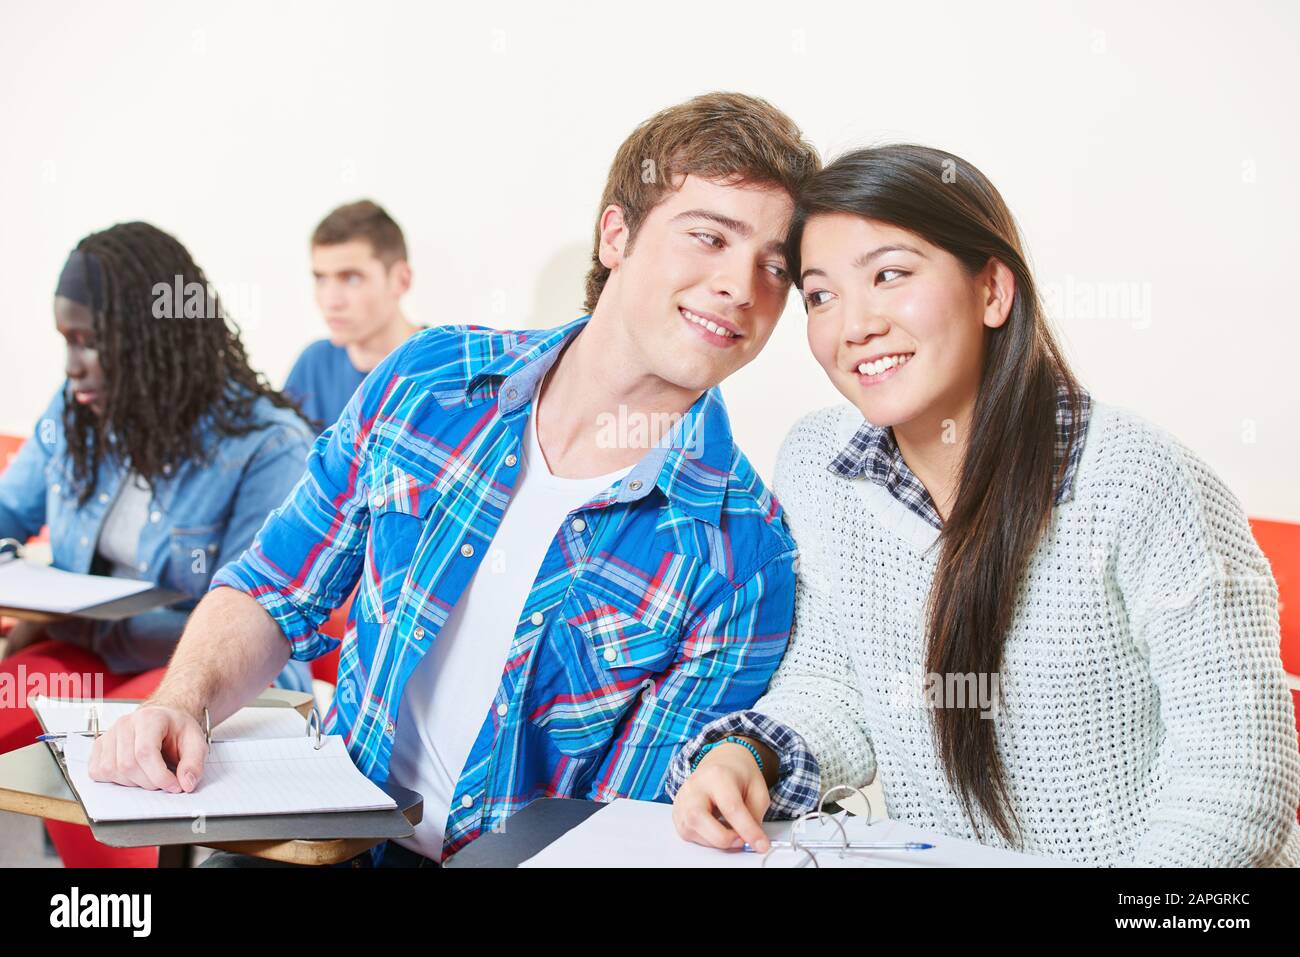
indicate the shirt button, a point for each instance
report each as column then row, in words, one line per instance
column 389, row 727
column 578, row 525
column 467, row 550
column 155, row 517
column 634, row 485
column 103, row 497
column 466, row 801
column 537, row 618
column 502, row 710
column 511, row 393
column 167, row 470
column 610, row 654
column 418, row 634
column 143, row 566
column 511, row 459
column 377, row 501
column 55, row 488
column 85, row 540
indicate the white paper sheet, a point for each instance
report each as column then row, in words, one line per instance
column 25, row 584
column 240, row 778
column 252, row 723
column 629, row 833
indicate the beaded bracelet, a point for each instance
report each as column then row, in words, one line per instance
column 729, row 739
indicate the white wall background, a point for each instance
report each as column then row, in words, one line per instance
column 1147, row 148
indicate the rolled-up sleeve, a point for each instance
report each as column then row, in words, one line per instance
column 798, row 780
column 724, row 664
column 307, row 557
column 812, row 715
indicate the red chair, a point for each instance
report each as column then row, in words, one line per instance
column 1280, row 542
column 1295, row 700
column 9, row 446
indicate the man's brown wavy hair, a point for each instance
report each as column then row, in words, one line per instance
column 731, row 137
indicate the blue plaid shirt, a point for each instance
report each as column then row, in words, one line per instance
column 871, row 453
column 666, row 607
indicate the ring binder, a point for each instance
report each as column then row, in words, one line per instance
column 10, row 549
column 313, row 721
column 290, row 823
column 806, row 848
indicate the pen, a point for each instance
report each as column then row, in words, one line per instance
column 56, row 735
column 851, row 846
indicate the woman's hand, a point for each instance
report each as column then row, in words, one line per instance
column 22, row 634
column 723, row 801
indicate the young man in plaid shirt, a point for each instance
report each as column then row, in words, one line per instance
column 564, row 566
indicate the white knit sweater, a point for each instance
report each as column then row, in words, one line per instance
column 1146, row 718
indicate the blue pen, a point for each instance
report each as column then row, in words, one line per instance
column 851, row 846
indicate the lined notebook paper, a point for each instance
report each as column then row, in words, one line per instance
column 261, row 761
column 240, row 778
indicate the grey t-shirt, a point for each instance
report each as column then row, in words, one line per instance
column 119, row 539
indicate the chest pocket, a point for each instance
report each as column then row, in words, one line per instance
column 193, row 559
column 620, row 641
column 612, row 657
column 399, row 506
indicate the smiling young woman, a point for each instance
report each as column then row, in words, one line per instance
column 975, row 514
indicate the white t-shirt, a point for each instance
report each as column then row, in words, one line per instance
column 447, row 697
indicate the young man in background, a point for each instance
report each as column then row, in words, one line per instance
column 359, row 261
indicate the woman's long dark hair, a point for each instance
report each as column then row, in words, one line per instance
column 162, row 376
column 1009, row 474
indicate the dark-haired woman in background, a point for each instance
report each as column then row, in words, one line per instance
column 1088, row 584
column 157, row 459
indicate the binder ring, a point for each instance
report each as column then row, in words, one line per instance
column 818, row 814
column 871, row 812
column 207, row 731
column 811, row 857
column 313, row 727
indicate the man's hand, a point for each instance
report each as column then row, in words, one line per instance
column 140, row 749
column 723, row 801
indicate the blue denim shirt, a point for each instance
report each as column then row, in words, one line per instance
column 200, row 517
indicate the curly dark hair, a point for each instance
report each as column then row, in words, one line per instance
column 162, row 376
